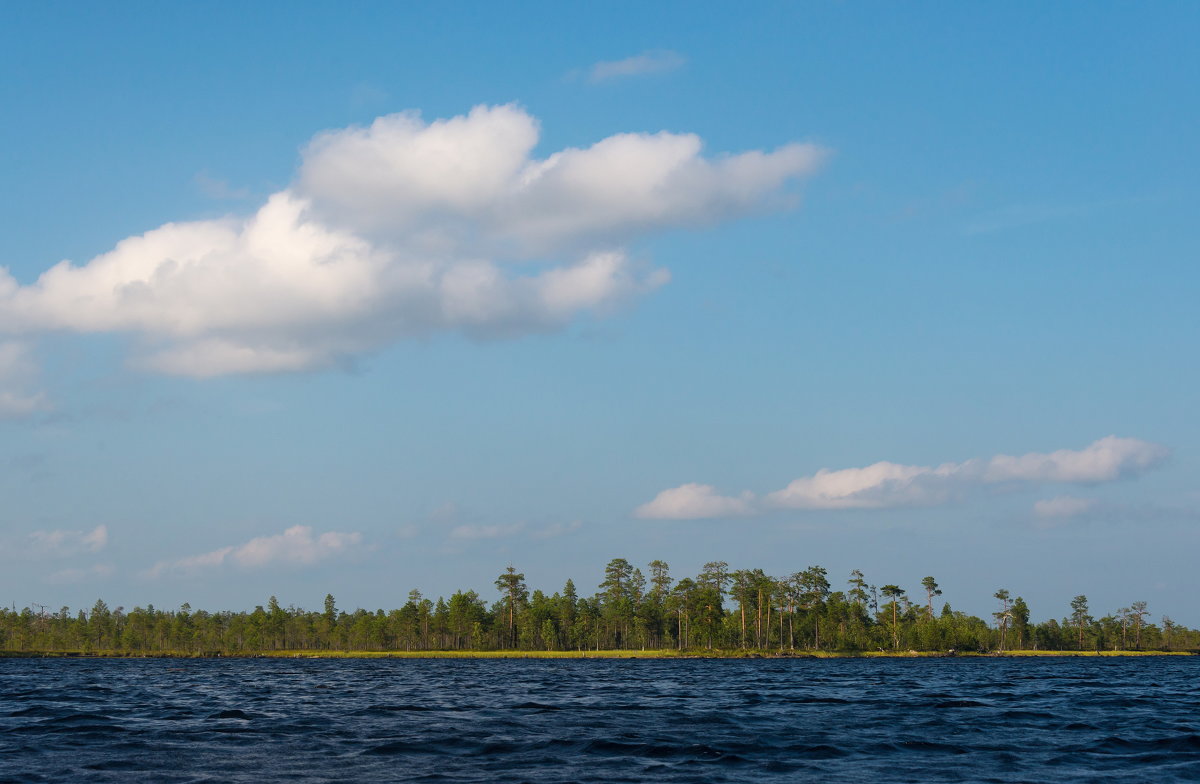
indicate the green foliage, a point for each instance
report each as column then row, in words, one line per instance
column 798, row 613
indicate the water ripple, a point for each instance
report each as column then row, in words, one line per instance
column 924, row 720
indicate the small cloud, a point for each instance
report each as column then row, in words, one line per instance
column 28, row 467
column 296, row 546
column 557, row 529
column 219, row 189
column 876, row 486
column 407, row 532
column 14, row 405
column 695, row 501
column 937, row 204
column 97, row 539
column 67, row 576
column 63, row 544
column 364, row 96
column 656, row 61
column 1105, row 460
column 1062, row 507
column 1062, row 510
column 1018, row 216
column 471, row 532
column 887, row 485
column 18, row 373
column 446, row 513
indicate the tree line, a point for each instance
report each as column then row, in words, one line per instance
column 720, row 609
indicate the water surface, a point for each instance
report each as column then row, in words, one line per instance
column 497, row 720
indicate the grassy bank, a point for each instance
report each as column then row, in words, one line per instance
column 608, row 654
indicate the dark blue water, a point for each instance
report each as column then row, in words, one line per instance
column 917, row 720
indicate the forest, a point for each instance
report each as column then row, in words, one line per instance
column 718, row 610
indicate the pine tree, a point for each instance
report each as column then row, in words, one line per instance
column 1079, row 615
column 931, row 590
column 512, row 584
column 894, row 592
column 1003, row 616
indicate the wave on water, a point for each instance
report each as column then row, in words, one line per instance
column 249, row 720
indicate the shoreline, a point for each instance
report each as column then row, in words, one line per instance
column 601, row 654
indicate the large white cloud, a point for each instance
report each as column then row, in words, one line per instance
column 471, row 182
column 889, row 485
column 279, row 291
column 395, row 230
column 400, row 176
column 297, row 546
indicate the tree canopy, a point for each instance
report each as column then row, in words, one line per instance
column 719, row 609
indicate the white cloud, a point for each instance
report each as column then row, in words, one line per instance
column 470, row 183
column 400, row 174
column 889, row 485
column 279, row 292
column 219, row 189
column 694, row 501
column 17, row 375
column 1063, row 506
column 398, row 230
column 555, row 530
column 469, row 532
column 651, row 62
column 65, row 576
column 62, row 544
column 297, row 546
column 879, row 485
column 1102, row 461
column 363, row 95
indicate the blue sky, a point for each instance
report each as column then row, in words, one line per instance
column 547, row 333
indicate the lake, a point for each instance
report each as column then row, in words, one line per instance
column 496, row 720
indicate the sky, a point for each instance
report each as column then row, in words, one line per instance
column 308, row 299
